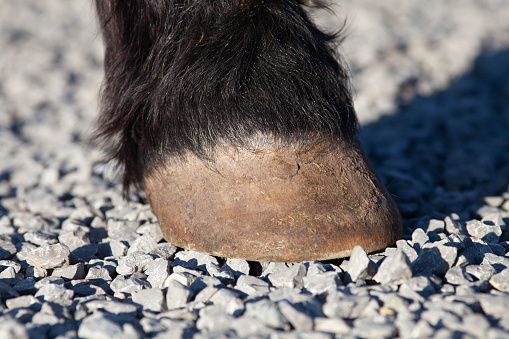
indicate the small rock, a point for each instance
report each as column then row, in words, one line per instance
column 299, row 320
column 458, row 276
column 39, row 238
column 225, row 276
column 395, row 269
column 368, row 328
column 488, row 233
column 7, row 247
column 237, row 267
column 435, row 259
column 454, row 226
column 336, row 325
column 410, row 252
column 164, row 250
column 152, row 299
column 500, row 281
column 346, row 307
column 134, row 262
column 266, row 311
column 494, row 201
column 360, row 267
column 70, row 272
column 26, row 301
column 51, row 256
column 12, row 329
column 252, row 285
column 499, row 263
column 194, row 260
column 437, row 226
column 290, row 277
column 75, row 239
column 35, row 272
column 481, row 272
column 130, row 284
column 177, row 295
column 318, row 284
column 419, row 238
column 158, row 272
column 113, row 307
column 184, row 278
column 98, row 326
column 118, row 248
column 100, row 269
column 143, row 244
column 55, row 293
column 151, row 229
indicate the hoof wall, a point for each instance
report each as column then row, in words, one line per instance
column 274, row 204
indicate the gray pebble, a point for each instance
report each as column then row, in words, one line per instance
column 346, row 307
column 458, row 276
column 328, row 325
column 24, row 249
column 164, row 250
column 369, row 328
column 134, row 262
column 202, row 282
column 499, row 263
column 177, row 295
column 435, row 259
column 395, row 269
column 25, row 301
column 500, row 281
column 419, row 238
column 151, row 229
column 144, row 244
column 75, row 239
column 237, row 267
column 421, row 285
column 70, row 272
column 7, row 247
column 437, row 226
column 298, row 319
column 266, row 311
column 360, row 267
column 184, row 278
column 407, row 248
column 481, row 272
column 289, row 277
column 118, row 248
column 152, row 299
column 51, row 256
column 112, row 306
column 39, row 238
column 101, row 269
column 35, row 272
column 158, row 272
column 252, row 285
column 194, row 260
column 454, row 226
column 98, row 326
column 318, row 284
column 129, row 284
column 488, row 233
column 55, row 293
column 223, row 275
column 12, row 328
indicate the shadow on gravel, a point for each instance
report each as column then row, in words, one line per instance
column 444, row 153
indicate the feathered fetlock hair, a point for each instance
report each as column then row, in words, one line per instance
column 185, row 75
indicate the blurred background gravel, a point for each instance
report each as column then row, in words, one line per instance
column 432, row 94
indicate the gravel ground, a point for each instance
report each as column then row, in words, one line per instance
column 432, row 92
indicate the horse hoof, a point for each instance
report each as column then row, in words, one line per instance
column 281, row 203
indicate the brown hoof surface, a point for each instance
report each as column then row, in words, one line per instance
column 274, row 203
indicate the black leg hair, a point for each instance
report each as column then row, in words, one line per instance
column 186, row 75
